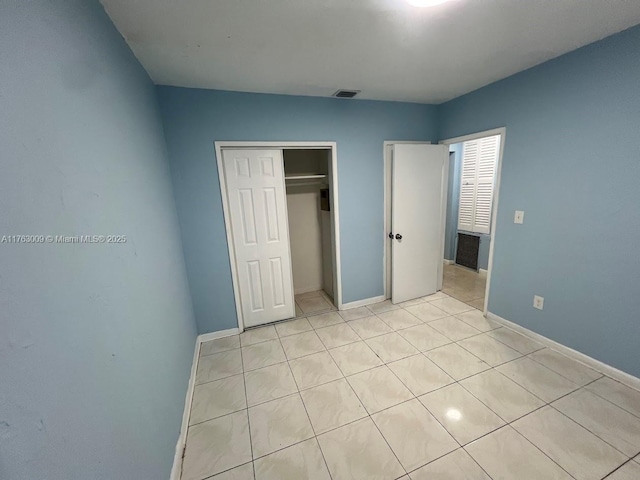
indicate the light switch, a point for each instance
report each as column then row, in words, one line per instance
column 519, row 218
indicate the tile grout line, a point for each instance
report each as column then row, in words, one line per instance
column 315, row 435
column 595, row 434
column 246, row 399
column 528, row 441
column 491, row 410
column 618, row 468
column 546, row 404
column 558, row 373
column 506, row 423
column 228, row 470
column 443, row 426
column 416, row 397
column 430, row 413
column 370, row 415
column 606, row 399
column 386, row 441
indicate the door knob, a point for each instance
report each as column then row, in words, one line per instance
column 398, row 236
column 391, row 236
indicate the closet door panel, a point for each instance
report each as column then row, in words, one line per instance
column 257, row 210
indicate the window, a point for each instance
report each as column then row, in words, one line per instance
column 479, row 158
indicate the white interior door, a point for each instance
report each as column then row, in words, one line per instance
column 417, row 219
column 257, row 207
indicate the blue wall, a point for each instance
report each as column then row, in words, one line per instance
column 194, row 119
column 572, row 163
column 96, row 341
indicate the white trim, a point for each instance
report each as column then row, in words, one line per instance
column 335, row 220
column 176, row 469
column 449, row 262
column 483, row 273
column 386, row 250
column 444, row 190
column 335, row 210
column 277, row 145
column 502, row 131
column 605, row 369
column 300, row 291
column 473, row 136
column 207, row 337
column 363, row 303
column 408, row 142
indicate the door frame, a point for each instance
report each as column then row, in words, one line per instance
column 335, row 211
column 386, row 250
column 502, row 131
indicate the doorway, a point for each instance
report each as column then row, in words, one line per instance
column 280, row 203
column 475, row 163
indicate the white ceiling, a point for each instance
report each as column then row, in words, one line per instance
column 386, row 48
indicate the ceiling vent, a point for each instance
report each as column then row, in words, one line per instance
column 346, row 93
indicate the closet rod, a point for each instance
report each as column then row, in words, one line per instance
column 304, row 177
column 306, row 184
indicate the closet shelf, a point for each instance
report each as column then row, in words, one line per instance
column 305, row 176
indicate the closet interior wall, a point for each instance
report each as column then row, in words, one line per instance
column 309, row 226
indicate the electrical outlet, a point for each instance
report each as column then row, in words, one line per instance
column 538, row 302
column 519, row 217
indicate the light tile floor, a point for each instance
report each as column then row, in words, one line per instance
column 429, row 390
column 313, row 303
column 465, row 285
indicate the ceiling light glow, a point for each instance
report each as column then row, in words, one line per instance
column 426, row 3
column 454, row 414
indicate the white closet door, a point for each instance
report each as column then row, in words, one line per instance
column 257, row 207
column 416, row 204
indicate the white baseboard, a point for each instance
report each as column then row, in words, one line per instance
column 176, row 470
column 206, row 337
column 363, row 303
column 300, row 291
column 482, row 272
column 619, row 375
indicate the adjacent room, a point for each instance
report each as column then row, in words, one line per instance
column 329, row 240
column 473, row 166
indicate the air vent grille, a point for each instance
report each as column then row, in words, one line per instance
column 346, row 93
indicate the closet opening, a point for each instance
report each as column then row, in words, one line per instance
column 309, row 194
column 280, row 204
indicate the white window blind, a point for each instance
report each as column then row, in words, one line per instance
column 479, row 158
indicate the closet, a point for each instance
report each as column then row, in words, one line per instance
column 310, row 232
column 281, row 222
